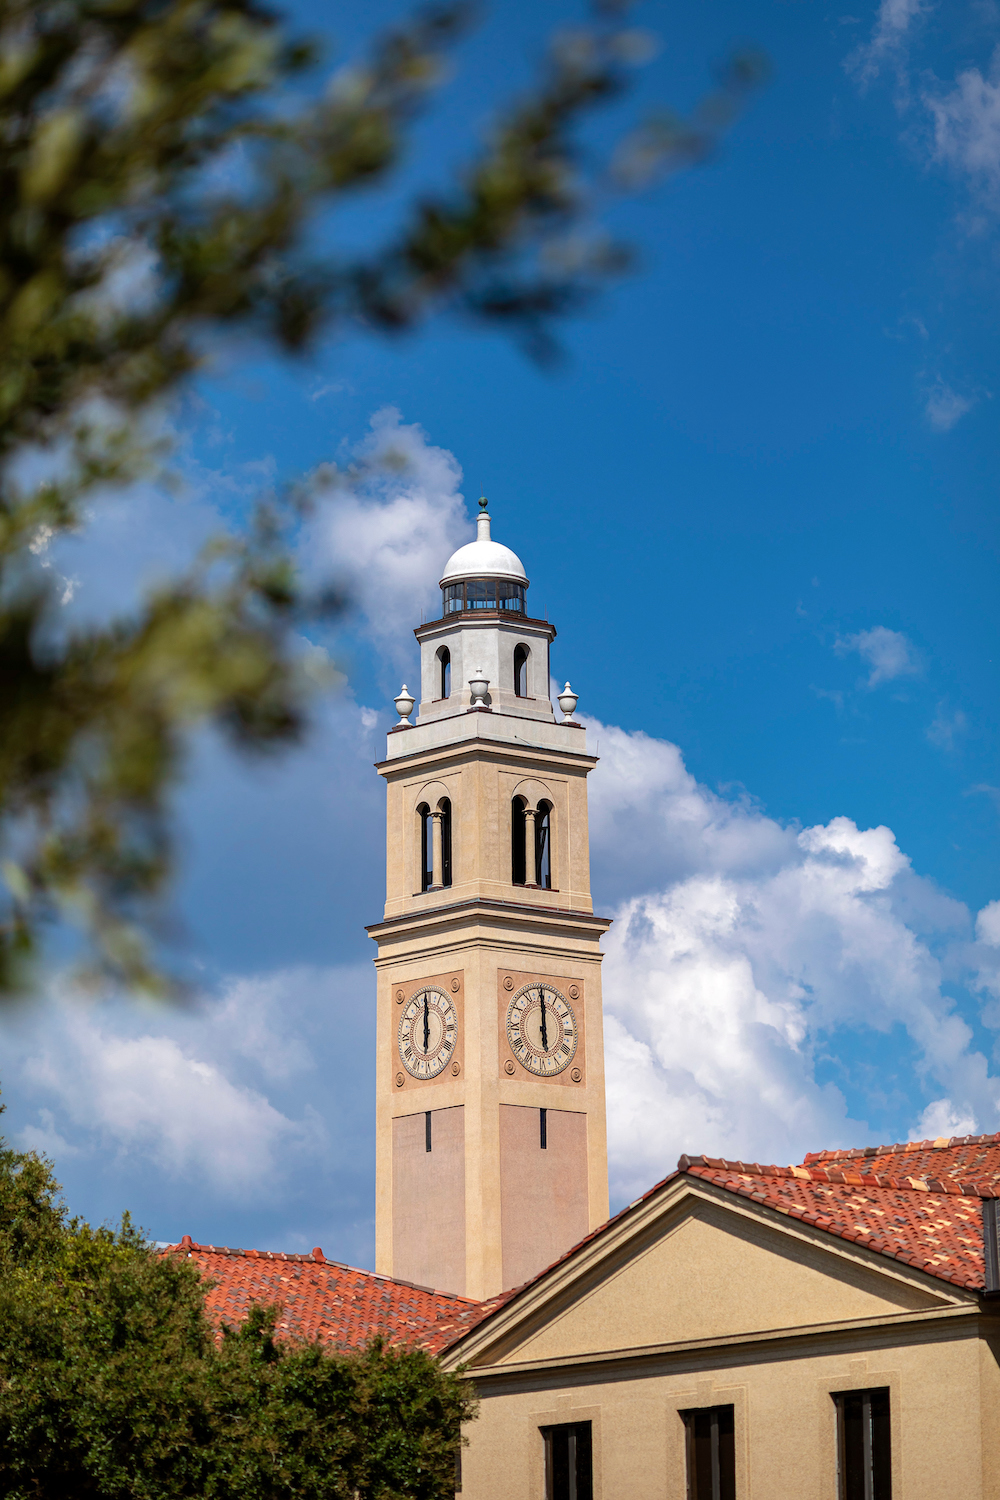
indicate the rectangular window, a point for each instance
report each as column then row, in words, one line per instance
column 427, row 1130
column 543, row 1130
column 482, row 594
column 711, row 1453
column 864, row 1456
column 569, row 1463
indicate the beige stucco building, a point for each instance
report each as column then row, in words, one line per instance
column 772, row 1303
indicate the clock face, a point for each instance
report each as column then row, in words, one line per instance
column 541, row 1029
column 428, row 1031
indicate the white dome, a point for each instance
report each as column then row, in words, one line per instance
column 483, row 558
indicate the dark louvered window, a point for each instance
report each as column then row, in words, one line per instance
column 864, row 1445
column 569, row 1462
column 711, row 1453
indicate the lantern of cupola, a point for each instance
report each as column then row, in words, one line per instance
column 485, row 635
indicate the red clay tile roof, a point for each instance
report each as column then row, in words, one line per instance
column 919, row 1203
column 973, row 1158
column 934, row 1223
column 321, row 1299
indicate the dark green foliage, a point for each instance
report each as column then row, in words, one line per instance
column 113, row 1383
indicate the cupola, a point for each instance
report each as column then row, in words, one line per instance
column 483, row 574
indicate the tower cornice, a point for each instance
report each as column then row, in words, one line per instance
column 512, row 913
column 513, row 752
column 491, row 617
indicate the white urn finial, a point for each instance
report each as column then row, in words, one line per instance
column 404, row 706
column 567, row 702
column 479, row 687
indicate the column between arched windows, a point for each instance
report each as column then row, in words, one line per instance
column 437, row 856
column 530, row 869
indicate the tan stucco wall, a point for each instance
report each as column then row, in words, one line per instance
column 428, row 1198
column 708, row 1274
column 785, row 1424
column 544, row 1206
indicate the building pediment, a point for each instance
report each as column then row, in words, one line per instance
column 697, row 1264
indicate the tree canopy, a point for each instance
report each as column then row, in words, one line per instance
column 114, row 1383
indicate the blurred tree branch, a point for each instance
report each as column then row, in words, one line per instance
column 162, row 168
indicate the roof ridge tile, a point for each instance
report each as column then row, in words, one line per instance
column 941, row 1143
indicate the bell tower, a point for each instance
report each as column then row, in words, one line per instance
column 491, row 1136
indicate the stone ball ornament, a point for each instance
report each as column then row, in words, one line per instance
column 567, row 702
column 404, row 707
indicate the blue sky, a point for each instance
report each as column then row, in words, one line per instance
column 758, row 499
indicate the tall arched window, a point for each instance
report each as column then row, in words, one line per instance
column 444, row 672
column 517, row 821
column 444, row 807
column 426, row 847
column 520, row 671
column 543, row 845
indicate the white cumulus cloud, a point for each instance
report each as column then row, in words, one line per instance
column 966, row 121
column 942, row 1119
column 753, row 953
column 173, row 1087
column 387, row 535
column 889, row 653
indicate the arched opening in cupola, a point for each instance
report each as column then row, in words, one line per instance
column 521, row 654
column 444, row 672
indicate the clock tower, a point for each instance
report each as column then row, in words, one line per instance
column 491, row 1138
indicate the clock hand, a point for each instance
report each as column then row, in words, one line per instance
column 427, row 1025
column 545, row 1034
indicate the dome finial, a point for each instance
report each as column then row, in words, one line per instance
column 483, row 502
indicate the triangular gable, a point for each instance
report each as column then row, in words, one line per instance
column 695, row 1263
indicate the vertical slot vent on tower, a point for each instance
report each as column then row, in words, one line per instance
column 427, row 1130
column 543, row 1130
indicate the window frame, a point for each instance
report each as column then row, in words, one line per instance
column 875, row 1479
column 720, row 1485
column 580, row 1440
